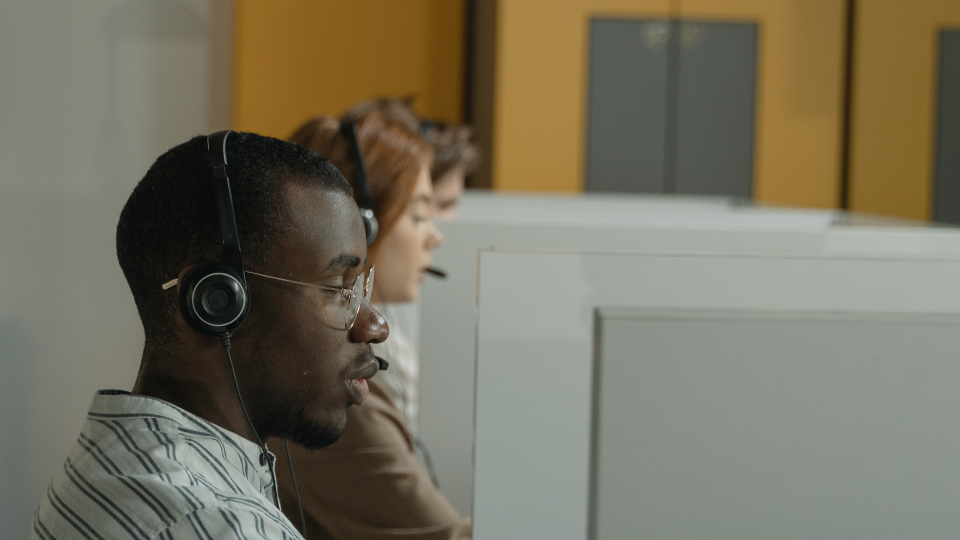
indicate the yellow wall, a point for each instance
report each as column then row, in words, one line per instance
column 298, row 58
column 894, row 104
column 541, row 91
column 799, row 115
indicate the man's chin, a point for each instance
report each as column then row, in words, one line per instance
column 294, row 421
column 314, row 435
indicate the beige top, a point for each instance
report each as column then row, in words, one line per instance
column 369, row 485
column 401, row 381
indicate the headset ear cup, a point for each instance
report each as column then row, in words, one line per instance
column 213, row 299
column 370, row 225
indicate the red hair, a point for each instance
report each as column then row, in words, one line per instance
column 393, row 154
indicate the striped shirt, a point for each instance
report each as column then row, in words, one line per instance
column 143, row 469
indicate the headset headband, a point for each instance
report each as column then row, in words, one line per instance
column 363, row 195
column 217, row 154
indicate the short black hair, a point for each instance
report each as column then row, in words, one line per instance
column 170, row 220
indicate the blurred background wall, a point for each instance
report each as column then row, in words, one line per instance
column 843, row 103
column 297, row 59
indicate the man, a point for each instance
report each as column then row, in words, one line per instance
column 176, row 457
column 454, row 157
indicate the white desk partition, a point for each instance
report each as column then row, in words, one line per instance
column 787, row 425
column 599, row 222
column 619, row 210
column 785, row 396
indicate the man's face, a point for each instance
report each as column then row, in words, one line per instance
column 447, row 192
column 300, row 373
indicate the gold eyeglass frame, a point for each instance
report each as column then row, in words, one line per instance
column 367, row 288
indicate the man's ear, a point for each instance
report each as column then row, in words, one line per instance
column 181, row 275
column 177, row 281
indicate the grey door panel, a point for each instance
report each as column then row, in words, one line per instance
column 671, row 107
column 947, row 165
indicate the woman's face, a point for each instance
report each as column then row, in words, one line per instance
column 405, row 252
column 447, row 191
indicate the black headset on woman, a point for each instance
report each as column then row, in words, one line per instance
column 363, row 195
column 362, row 192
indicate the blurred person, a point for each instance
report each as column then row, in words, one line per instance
column 371, row 484
column 454, row 157
column 180, row 456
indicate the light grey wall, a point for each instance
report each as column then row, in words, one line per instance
column 91, row 93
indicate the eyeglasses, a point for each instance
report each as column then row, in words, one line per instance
column 343, row 304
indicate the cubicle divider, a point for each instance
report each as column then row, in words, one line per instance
column 733, row 394
column 596, row 222
column 774, row 424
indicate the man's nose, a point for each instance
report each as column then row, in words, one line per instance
column 370, row 326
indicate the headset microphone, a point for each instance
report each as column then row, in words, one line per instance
column 362, row 193
column 382, row 364
column 436, row 272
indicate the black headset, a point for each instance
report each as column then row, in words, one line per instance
column 362, row 193
column 214, row 297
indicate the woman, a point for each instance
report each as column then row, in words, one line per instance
column 370, row 484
